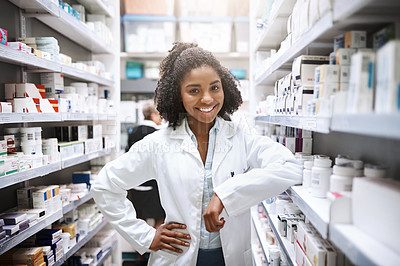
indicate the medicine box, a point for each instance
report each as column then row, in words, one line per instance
column 53, row 82
column 5, row 107
column 301, row 258
column 387, row 98
column 329, row 73
column 371, row 195
column 211, row 33
column 303, row 69
column 355, row 39
column 146, row 34
column 362, row 82
column 344, row 74
column 343, row 56
column 327, row 89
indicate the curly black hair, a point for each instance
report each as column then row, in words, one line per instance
column 182, row 58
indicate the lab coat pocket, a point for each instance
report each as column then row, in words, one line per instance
column 248, row 258
column 162, row 257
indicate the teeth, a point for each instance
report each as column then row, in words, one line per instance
column 206, row 109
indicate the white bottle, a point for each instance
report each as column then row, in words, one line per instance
column 342, row 177
column 320, row 177
column 307, row 174
column 274, row 256
column 373, row 171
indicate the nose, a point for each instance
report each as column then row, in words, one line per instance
column 206, row 98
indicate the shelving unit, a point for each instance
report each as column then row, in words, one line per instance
column 16, row 66
column 107, row 253
column 261, row 237
column 50, row 218
column 340, row 129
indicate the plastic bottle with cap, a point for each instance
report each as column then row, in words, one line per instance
column 320, row 177
column 374, row 171
column 274, row 256
column 358, row 167
column 307, row 174
column 342, row 177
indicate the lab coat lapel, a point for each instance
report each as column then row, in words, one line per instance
column 187, row 144
column 223, row 143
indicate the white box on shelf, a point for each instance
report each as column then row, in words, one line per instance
column 301, row 258
column 302, row 96
column 329, row 74
column 343, row 56
column 361, row 84
column 355, row 39
column 344, row 74
column 316, row 252
column 387, row 98
column 303, row 69
column 371, row 211
column 53, row 82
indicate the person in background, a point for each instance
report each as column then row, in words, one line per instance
column 210, row 170
column 145, row 198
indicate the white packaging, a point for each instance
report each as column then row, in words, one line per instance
column 326, row 90
column 344, row 74
column 329, row 73
column 355, row 39
column 53, row 82
column 361, row 84
column 387, row 98
column 320, row 181
column 5, row 107
column 24, row 105
column 9, row 91
column 371, row 196
column 304, row 232
column 302, row 96
column 301, row 258
column 307, row 145
column 291, row 229
column 343, row 56
column 3, row 148
column 316, row 251
column 342, row 178
column 27, row 90
column 374, row 171
column 303, row 69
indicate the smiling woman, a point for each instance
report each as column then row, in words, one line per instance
column 210, row 170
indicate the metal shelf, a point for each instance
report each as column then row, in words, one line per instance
column 286, row 247
column 85, row 76
column 30, row 61
column 275, row 30
column 83, row 158
column 261, row 237
column 315, row 209
column 107, row 253
column 13, row 118
column 97, row 7
column 74, row 204
column 361, row 248
column 16, row 178
column 376, row 125
column 138, row 85
column 56, row 18
column 12, row 242
column 316, row 124
column 84, row 239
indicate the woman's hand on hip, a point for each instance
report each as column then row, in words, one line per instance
column 211, row 215
column 165, row 236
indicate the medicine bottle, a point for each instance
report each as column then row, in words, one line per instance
column 359, row 167
column 320, row 177
column 342, row 177
column 307, row 174
column 274, row 256
column 371, row 171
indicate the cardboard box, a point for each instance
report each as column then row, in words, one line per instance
column 329, row 73
column 303, row 69
column 362, row 82
column 343, row 56
column 355, row 39
column 387, row 98
column 53, row 82
column 327, row 89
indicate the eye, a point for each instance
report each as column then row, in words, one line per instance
column 193, row 91
column 215, row 87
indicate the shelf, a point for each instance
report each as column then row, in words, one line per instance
column 16, row 178
column 316, row 124
column 286, row 247
column 275, row 31
column 85, row 76
column 361, row 248
column 34, row 63
column 7, row 245
column 261, row 238
column 30, row 61
column 315, row 209
column 256, row 259
column 83, row 158
column 13, row 118
column 82, row 241
column 107, row 253
column 376, row 125
column 97, row 7
column 74, row 204
column 56, row 18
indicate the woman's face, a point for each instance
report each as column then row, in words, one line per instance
column 202, row 94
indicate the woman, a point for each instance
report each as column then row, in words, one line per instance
column 210, row 171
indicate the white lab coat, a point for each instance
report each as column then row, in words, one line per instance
column 170, row 157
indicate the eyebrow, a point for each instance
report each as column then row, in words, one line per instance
column 198, row 85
